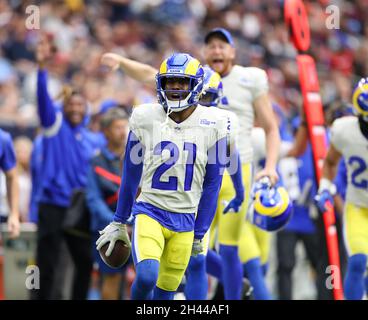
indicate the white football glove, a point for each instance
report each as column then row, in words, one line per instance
column 197, row 247
column 113, row 232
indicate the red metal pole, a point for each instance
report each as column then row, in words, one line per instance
column 297, row 21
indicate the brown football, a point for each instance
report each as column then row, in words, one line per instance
column 119, row 255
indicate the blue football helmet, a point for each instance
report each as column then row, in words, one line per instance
column 360, row 97
column 182, row 67
column 271, row 209
column 212, row 88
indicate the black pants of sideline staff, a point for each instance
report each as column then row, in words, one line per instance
column 286, row 244
column 49, row 239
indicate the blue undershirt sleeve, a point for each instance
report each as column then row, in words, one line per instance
column 132, row 172
column 211, row 187
column 236, row 175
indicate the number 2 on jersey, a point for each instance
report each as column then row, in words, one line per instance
column 361, row 167
column 172, row 183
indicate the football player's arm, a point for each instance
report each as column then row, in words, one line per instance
column 95, row 201
column 234, row 168
column 132, row 172
column 341, row 179
column 236, row 174
column 211, row 188
column 138, row 71
column 266, row 120
column 330, row 163
column 327, row 188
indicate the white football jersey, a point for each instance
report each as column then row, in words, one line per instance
column 347, row 138
column 175, row 156
column 258, row 140
column 241, row 87
column 234, row 124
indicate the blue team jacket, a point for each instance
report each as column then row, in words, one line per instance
column 66, row 150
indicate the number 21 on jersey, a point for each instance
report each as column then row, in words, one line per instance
column 173, row 149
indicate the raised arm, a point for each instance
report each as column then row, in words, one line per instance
column 46, row 110
column 141, row 72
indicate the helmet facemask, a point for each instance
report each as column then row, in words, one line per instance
column 183, row 91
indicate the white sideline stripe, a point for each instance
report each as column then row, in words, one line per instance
column 54, row 129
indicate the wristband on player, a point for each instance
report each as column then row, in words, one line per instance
column 326, row 184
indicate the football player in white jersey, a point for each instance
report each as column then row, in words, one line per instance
column 179, row 149
column 246, row 95
column 196, row 285
column 197, row 281
column 349, row 139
